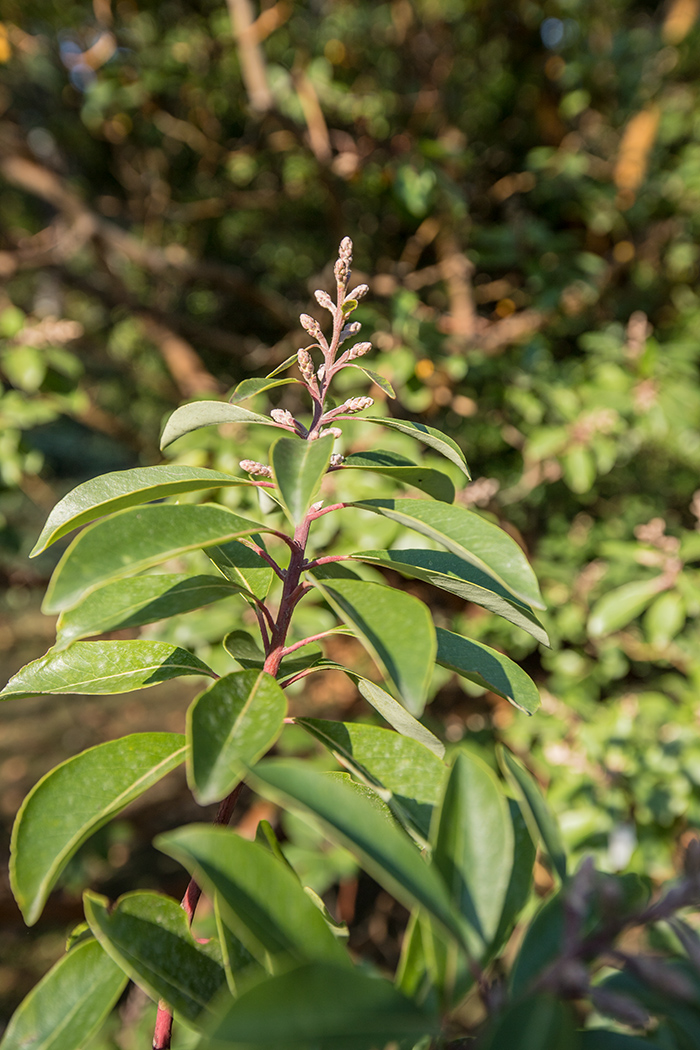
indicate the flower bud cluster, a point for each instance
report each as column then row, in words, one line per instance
column 355, row 404
column 349, row 329
column 311, row 325
column 323, row 299
column 306, row 364
column 251, row 467
column 283, row 417
column 337, row 459
column 342, row 266
column 358, row 293
column 358, row 350
column 335, row 431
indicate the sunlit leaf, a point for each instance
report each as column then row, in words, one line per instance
column 397, row 715
column 620, row 606
column 379, row 380
column 489, row 668
column 431, row 437
column 250, row 387
column 299, row 467
column 75, row 799
column 207, row 414
column 243, row 566
column 539, row 818
column 394, row 465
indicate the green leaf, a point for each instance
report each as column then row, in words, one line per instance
column 542, row 944
column 246, row 651
column 520, row 884
column 125, row 488
column 138, row 538
column 618, row 608
column 536, row 812
column 470, row 537
column 76, row 798
column 261, row 900
column 239, row 964
column 250, row 387
column 540, row 1023
column 322, row 1006
column 397, row 715
column 453, row 574
column 243, row 566
column 65, row 1009
column 431, row 437
column 379, row 380
column 148, row 935
column 299, row 467
column 387, row 853
column 132, row 603
column 489, row 668
column 602, row 1039
column 395, row 628
column 393, row 465
column 473, row 847
column 230, row 725
column 411, row 775
column 103, row 667
column 207, row 414
column 291, row 360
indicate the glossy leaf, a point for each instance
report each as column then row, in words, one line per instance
column 250, row 387
column 520, row 883
column 299, row 467
column 132, row 603
column 239, row 964
column 242, row 566
column 619, row 607
column 103, row 667
column 470, row 537
column 230, row 725
column 453, row 574
column 291, row 360
column 135, row 539
column 76, row 798
column 148, row 935
column 489, row 668
column 397, row 715
column 207, row 414
column 473, row 847
column 379, row 380
column 395, row 628
column 387, row 853
column 125, row 488
column 393, row 465
column 69, row 1004
column 411, row 775
column 322, row 1006
column 539, row 1023
column 431, row 437
column 538, row 816
column 261, row 900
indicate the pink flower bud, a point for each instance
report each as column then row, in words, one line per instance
column 358, row 350
column 306, row 364
column 355, row 404
column 251, row 467
column 359, row 293
column 281, row 415
column 335, row 431
column 311, row 325
column 323, row 299
column 337, row 459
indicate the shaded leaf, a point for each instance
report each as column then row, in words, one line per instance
column 539, row 818
column 125, row 488
column 76, row 798
column 602, row 1039
column 243, row 566
column 239, row 964
column 386, row 852
column 396, row 629
column 379, row 380
column 489, row 668
column 429, row 436
column 138, row 538
column 261, row 900
column 68, row 1005
column 132, row 603
column 394, row 465
column 542, row 944
column 473, row 847
column 246, row 651
column 619, row 607
column 540, row 1023
column 470, row 537
column 303, row 1008
column 250, row 387
column 453, row 574
column 103, row 667
column 397, row 715
column 207, row 414
column 411, row 775
column 232, row 724
column 520, row 883
column 148, row 935
column 299, row 467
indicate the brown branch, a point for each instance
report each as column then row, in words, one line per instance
column 253, row 70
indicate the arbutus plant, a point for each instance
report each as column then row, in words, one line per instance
column 448, row 837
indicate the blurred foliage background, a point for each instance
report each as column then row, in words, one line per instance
column 522, row 184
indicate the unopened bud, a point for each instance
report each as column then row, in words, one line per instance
column 358, row 350
column 345, row 250
column 321, row 373
column 282, row 416
column 349, row 329
column 311, row 325
column 316, row 506
column 359, row 293
column 251, row 467
column 306, row 364
column 323, row 299
column 337, row 459
column 335, row 431
column 355, row 404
